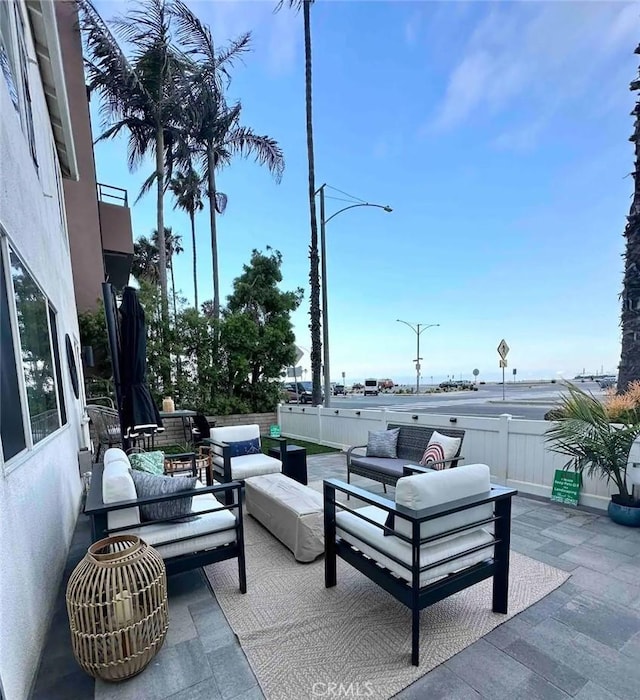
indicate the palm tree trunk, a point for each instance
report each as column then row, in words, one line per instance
column 195, row 259
column 629, row 368
column 162, row 257
column 314, row 273
column 214, row 232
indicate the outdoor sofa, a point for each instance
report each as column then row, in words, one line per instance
column 212, row 533
column 412, row 442
column 446, row 531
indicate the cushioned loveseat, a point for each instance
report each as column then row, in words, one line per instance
column 209, row 532
column 410, row 448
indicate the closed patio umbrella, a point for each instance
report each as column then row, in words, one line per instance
column 139, row 412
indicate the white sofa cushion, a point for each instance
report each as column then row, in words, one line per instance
column 366, row 534
column 439, row 487
column 117, row 485
column 204, row 532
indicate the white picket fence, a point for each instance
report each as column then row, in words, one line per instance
column 514, row 449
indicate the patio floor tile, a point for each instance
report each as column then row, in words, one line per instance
column 546, row 666
column 490, row 671
column 582, row 640
column 440, row 684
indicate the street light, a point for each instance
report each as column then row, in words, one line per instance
column 323, row 273
column 418, row 329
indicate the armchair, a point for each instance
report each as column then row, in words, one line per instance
column 426, row 545
column 236, row 453
column 216, row 533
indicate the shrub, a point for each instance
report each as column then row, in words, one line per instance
column 624, row 408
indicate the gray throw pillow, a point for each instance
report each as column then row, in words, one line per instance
column 383, row 443
column 150, row 485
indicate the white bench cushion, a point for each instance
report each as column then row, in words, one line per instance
column 117, row 485
column 367, row 534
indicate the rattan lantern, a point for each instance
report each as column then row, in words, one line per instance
column 117, row 607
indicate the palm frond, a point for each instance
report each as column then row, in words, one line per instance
column 266, row 151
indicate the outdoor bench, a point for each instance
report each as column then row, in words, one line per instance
column 412, row 442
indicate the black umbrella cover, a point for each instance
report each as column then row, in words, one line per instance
column 139, row 412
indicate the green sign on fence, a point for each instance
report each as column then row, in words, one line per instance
column 274, row 431
column 566, row 487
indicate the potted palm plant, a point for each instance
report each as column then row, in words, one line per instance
column 598, row 448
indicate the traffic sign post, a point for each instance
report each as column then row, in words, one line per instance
column 476, row 372
column 503, row 351
column 515, row 371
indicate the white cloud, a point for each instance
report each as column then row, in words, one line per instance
column 544, row 53
column 276, row 35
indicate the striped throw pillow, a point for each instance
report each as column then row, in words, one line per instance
column 441, row 448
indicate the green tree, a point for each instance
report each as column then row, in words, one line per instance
column 139, row 95
column 214, row 131
column 187, row 190
column 314, row 258
column 256, row 334
column 629, row 368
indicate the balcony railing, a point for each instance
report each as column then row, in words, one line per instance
column 112, row 195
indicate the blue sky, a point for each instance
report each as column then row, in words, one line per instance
column 498, row 132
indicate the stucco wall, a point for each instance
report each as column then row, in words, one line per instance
column 39, row 491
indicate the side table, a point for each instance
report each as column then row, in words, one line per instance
column 295, row 464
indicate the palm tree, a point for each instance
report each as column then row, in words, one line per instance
column 629, row 368
column 215, row 134
column 187, row 189
column 139, row 95
column 314, row 272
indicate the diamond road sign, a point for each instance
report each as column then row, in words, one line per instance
column 503, row 349
column 300, row 354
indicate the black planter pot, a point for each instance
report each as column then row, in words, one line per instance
column 624, row 512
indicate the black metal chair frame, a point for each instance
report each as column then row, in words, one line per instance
column 412, row 594
column 412, row 442
column 98, row 511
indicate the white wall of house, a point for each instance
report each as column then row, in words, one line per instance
column 514, row 449
column 40, row 487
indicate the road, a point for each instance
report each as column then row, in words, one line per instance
column 522, row 400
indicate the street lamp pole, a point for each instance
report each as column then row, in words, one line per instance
column 418, row 329
column 323, row 273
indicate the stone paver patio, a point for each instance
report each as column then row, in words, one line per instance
column 582, row 641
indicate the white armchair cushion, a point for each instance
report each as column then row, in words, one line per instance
column 367, row 537
column 439, row 487
column 249, row 465
column 235, row 433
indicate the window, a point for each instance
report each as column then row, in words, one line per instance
column 37, row 349
column 7, row 56
column 14, row 65
column 11, row 425
column 27, row 114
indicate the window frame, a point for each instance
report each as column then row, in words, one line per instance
column 7, row 247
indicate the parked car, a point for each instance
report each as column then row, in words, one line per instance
column 303, row 394
column 607, row 382
column 339, row 390
column 371, row 387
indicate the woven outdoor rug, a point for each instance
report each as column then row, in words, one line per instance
column 300, row 636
